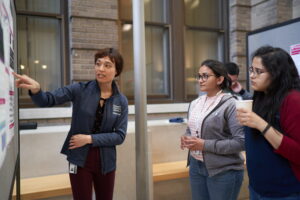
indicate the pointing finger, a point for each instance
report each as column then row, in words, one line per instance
column 17, row 75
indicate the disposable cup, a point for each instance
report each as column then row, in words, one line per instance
column 246, row 104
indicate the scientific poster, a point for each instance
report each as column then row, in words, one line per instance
column 295, row 53
column 3, row 112
column 7, row 122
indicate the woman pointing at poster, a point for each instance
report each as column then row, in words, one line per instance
column 99, row 123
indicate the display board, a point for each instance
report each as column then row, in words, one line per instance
column 9, row 133
column 284, row 35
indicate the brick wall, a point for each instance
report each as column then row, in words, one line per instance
column 296, row 8
column 263, row 13
column 93, row 25
column 249, row 15
column 239, row 25
column 268, row 12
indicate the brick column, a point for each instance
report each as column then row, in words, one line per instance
column 93, row 25
column 268, row 12
column 240, row 24
column 296, row 8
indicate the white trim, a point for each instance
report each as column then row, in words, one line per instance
column 52, row 113
column 66, row 128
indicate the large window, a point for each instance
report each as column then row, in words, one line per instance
column 204, row 37
column 41, row 53
column 179, row 36
column 157, row 48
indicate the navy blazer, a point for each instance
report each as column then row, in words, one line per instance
column 85, row 98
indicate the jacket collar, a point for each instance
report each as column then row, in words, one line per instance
column 115, row 87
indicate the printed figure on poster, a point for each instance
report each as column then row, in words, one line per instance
column 295, row 54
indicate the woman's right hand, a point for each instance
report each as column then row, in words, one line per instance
column 250, row 119
column 25, row 82
column 182, row 142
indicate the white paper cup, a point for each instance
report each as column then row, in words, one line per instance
column 246, row 104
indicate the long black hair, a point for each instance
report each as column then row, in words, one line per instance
column 284, row 78
column 219, row 70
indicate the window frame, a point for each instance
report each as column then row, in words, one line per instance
column 163, row 98
column 25, row 102
column 177, row 27
column 222, row 31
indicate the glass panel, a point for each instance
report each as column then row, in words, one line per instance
column 202, row 13
column 157, row 57
column 39, row 51
column 47, row 6
column 199, row 46
column 155, row 10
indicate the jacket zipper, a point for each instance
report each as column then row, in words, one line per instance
column 219, row 104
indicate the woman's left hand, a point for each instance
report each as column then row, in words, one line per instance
column 194, row 143
column 250, row 119
column 79, row 140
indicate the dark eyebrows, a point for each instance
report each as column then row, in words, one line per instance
column 105, row 62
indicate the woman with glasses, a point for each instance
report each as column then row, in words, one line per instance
column 273, row 127
column 214, row 138
column 99, row 123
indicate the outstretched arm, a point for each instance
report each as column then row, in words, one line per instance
column 25, row 82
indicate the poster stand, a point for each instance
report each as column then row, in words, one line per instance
column 9, row 115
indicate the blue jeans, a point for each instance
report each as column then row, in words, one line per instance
column 255, row 196
column 223, row 186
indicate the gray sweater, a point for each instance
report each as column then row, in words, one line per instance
column 223, row 137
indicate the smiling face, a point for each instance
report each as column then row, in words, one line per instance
column 105, row 70
column 260, row 77
column 212, row 84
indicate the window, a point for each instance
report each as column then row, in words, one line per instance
column 204, row 38
column 157, row 49
column 179, row 36
column 200, row 45
column 41, row 53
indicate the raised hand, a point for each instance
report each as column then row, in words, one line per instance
column 250, row 119
column 25, row 82
column 236, row 87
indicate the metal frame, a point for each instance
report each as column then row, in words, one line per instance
column 223, row 32
column 64, row 44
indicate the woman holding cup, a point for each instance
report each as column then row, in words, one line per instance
column 273, row 128
column 214, row 138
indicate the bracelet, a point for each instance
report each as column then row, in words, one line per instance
column 266, row 129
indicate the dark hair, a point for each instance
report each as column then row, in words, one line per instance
column 113, row 55
column 219, row 70
column 232, row 68
column 284, row 77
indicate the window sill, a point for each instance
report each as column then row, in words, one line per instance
column 66, row 112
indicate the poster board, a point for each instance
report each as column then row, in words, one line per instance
column 9, row 133
column 284, row 35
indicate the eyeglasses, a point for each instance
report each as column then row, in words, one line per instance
column 106, row 65
column 256, row 71
column 204, row 77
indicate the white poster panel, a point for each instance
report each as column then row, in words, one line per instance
column 6, row 79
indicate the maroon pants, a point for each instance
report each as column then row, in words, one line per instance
column 90, row 175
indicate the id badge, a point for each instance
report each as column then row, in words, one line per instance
column 72, row 168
